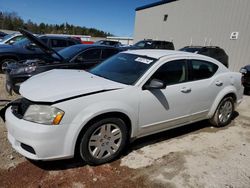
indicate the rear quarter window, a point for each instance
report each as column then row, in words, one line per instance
column 201, row 69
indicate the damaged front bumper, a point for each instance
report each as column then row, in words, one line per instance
column 12, row 103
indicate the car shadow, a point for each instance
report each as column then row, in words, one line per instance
column 137, row 144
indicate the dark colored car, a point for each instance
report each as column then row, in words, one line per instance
column 151, row 44
column 2, row 34
column 109, row 43
column 25, row 49
column 211, row 51
column 79, row 56
column 245, row 71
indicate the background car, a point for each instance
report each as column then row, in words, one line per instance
column 2, row 34
column 151, row 44
column 96, row 113
column 12, row 38
column 246, row 77
column 74, row 57
column 24, row 49
column 109, row 43
column 211, row 51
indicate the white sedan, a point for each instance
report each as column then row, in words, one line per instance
column 130, row 95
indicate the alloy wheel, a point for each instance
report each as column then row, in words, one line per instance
column 225, row 111
column 105, row 141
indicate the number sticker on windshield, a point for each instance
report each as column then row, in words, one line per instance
column 143, row 60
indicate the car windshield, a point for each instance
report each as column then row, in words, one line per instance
column 22, row 42
column 69, row 52
column 123, row 68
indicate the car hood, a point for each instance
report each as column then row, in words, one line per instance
column 57, row 85
column 40, row 43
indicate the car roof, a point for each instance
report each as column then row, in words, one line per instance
column 201, row 47
column 157, row 54
column 150, row 40
column 56, row 37
column 85, row 46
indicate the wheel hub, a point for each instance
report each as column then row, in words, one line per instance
column 225, row 111
column 105, row 141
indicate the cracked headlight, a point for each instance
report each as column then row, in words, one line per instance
column 29, row 69
column 44, row 114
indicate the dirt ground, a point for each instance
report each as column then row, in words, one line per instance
column 195, row 155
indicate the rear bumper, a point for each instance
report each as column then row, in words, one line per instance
column 246, row 81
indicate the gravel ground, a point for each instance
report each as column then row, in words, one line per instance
column 195, row 155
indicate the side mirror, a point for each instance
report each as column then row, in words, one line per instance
column 79, row 59
column 11, row 42
column 243, row 71
column 154, row 84
column 31, row 46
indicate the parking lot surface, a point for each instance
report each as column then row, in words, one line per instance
column 195, row 155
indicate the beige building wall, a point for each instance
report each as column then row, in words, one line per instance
column 200, row 22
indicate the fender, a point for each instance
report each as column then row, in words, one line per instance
column 227, row 90
column 88, row 113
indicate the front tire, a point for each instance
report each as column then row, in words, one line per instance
column 103, row 141
column 4, row 63
column 224, row 113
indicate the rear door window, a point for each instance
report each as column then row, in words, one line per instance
column 106, row 53
column 201, row 69
column 89, row 55
column 58, row 43
column 70, row 43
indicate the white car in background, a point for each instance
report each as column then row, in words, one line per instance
column 12, row 38
column 130, row 95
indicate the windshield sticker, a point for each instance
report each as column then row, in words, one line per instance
column 143, row 60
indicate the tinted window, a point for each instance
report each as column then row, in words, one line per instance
column 45, row 40
column 70, row 51
column 173, row 72
column 202, row 69
column 141, row 44
column 217, row 52
column 93, row 54
column 108, row 53
column 70, row 43
column 168, row 45
column 57, row 43
column 204, row 51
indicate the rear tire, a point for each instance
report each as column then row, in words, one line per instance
column 224, row 113
column 103, row 141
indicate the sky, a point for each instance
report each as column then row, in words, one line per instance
column 114, row 16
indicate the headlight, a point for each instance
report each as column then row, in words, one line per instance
column 29, row 69
column 44, row 114
column 243, row 71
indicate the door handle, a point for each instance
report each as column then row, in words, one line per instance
column 185, row 90
column 219, row 83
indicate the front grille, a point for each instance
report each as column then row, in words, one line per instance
column 20, row 106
